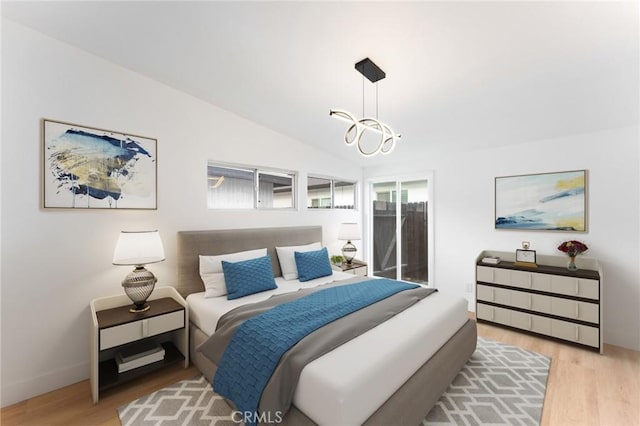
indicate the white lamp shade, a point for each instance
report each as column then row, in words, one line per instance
column 349, row 231
column 138, row 248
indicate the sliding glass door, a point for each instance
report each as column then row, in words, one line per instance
column 400, row 240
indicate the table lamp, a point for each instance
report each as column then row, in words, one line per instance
column 349, row 231
column 138, row 248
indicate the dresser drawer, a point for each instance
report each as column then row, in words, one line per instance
column 531, row 280
column 494, row 314
column 530, row 301
column 575, row 332
column 484, row 274
column 530, row 322
column 492, row 294
column 582, row 311
column 493, row 275
column 578, row 287
column 132, row 331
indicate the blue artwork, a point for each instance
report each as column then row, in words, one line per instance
column 92, row 168
column 549, row 201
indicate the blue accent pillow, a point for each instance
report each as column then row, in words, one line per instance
column 313, row 264
column 248, row 277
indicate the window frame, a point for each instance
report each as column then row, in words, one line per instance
column 398, row 179
column 332, row 192
column 257, row 172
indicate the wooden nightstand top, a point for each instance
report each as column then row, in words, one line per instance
column 121, row 315
column 354, row 265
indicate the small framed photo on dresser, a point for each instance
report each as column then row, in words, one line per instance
column 526, row 258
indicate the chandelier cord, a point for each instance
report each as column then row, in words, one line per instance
column 376, row 100
column 363, row 95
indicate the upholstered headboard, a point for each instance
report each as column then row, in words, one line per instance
column 191, row 244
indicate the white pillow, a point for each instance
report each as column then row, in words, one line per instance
column 287, row 259
column 212, row 274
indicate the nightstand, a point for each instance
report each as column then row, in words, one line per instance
column 113, row 327
column 357, row 267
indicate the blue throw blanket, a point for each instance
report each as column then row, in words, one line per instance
column 257, row 346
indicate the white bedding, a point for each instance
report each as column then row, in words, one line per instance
column 348, row 384
column 205, row 312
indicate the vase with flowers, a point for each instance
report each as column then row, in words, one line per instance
column 572, row 249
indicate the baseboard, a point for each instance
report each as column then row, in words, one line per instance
column 13, row 393
column 620, row 338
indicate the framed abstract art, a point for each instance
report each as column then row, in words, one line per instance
column 545, row 201
column 90, row 168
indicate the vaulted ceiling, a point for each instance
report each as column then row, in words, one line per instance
column 460, row 75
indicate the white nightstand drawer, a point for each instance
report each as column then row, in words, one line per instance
column 361, row 272
column 125, row 333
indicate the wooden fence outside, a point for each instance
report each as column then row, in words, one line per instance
column 414, row 241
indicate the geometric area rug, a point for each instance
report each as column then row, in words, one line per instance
column 500, row 384
column 188, row 402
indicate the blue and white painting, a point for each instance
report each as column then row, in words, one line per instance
column 90, row 168
column 549, row 201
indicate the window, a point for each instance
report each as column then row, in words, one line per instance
column 391, row 195
column 275, row 190
column 326, row 193
column 249, row 188
column 318, row 193
column 344, row 195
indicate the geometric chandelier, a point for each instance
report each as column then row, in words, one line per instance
column 354, row 133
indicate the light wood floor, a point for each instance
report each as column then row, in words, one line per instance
column 584, row 388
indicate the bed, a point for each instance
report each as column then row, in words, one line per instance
column 353, row 384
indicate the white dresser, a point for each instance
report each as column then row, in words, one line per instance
column 548, row 300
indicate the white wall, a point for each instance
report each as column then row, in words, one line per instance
column 464, row 209
column 1, row 274
column 55, row 261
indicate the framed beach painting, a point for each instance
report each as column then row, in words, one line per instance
column 544, row 201
column 89, row 168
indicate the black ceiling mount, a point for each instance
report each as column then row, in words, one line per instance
column 370, row 70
